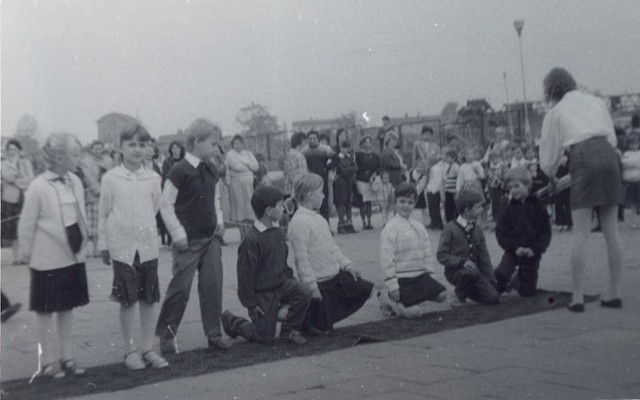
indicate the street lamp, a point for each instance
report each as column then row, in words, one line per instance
column 519, row 24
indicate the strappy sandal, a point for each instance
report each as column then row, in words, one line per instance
column 69, row 366
column 51, row 371
column 133, row 361
column 152, row 358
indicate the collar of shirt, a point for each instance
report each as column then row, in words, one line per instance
column 191, row 159
column 463, row 222
column 123, row 171
column 262, row 227
column 306, row 210
column 53, row 177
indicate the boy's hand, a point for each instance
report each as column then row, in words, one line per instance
column 470, row 265
column 395, row 295
column 315, row 294
column 219, row 231
column 520, row 251
column 528, row 252
column 106, row 257
column 353, row 272
column 255, row 313
column 181, row 245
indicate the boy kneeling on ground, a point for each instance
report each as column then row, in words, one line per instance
column 265, row 282
column 524, row 232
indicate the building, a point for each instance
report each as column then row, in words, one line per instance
column 110, row 126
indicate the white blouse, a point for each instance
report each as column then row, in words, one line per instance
column 576, row 118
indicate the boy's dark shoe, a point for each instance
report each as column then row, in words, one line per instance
column 10, row 311
column 168, row 346
column 368, row 226
column 350, row 228
column 613, row 303
column 342, row 230
column 219, row 342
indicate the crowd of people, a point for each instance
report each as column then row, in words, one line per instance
column 130, row 203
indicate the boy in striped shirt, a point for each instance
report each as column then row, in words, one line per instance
column 407, row 261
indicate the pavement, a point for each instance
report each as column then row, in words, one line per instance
column 549, row 355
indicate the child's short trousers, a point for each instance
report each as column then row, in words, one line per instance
column 137, row 282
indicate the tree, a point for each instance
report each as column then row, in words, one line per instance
column 450, row 112
column 27, row 126
column 255, row 119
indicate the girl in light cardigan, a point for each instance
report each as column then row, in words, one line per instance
column 53, row 233
column 336, row 287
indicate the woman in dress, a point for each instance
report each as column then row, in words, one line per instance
column 581, row 124
column 391, row 159
column 241, row 165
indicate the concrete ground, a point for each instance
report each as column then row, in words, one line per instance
column 550, row 355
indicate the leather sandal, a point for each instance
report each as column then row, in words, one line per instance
column 69, row 366
column 152, row 358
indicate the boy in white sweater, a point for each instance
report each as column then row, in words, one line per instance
column 407, row 261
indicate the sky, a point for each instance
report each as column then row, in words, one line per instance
column 67, row 63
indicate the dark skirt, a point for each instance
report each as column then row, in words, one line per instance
column 341, row 297
column 421, row 201
column 10, row 213
column 59, row 289
column 596, row 175
column 135, row 282
column 342, row 192
column 419, row 289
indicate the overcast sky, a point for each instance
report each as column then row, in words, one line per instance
column 67, row 63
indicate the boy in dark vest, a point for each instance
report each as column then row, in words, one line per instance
column 192, row 214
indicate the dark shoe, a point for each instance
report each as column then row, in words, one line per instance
column 342, row 230
column 294, row 337
column 613, row 303
column 168, row 346
column 10, row 311
column 350, row 228
column 368, row 226
column 227, row 318
column 219, row 342
column 576, row 308
column 597, row 229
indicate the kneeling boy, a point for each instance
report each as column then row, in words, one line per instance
column 265, row 282
column 407, row 261
column 524, row 232
column 463, row 252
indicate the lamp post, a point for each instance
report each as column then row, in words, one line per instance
column 506, row 89
column 519, row 24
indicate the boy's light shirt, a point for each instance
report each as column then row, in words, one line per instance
column 169, row 196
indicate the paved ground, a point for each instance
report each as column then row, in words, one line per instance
column 551, row 355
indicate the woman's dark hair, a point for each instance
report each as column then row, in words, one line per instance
column 13, row 142
column 365, row 140
column 427, row 129
column 296, row 139
column 237, row 138
column 180, row 146
column 131, row 131
column 557, row 83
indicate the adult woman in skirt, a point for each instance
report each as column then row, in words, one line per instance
column 53, row 233
column 582, row 124
column 368, row 166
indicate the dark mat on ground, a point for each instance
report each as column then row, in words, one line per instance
column 113, row 377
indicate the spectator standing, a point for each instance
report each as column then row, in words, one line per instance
column 94, row 166
column 242, row 165
column 368, row 167
column 295, row 163
column 17, row 174
column 391, row 159
column 318, row 162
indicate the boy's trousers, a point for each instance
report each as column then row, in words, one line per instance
column 473, row 285
column 527, row 279
column 433, row 202
column 450, row 212
column 203, row 255
column 291, row 292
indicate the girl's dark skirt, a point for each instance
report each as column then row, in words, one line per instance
column 419, row 289
column 10, row 213
column 342, row 192
column 341, row 296
column 596, row 175
column 60, row 289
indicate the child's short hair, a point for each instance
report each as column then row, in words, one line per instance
column 57, row 146
column 306, row 184
column 297, row 139
column 264, row 197
column 466, row 199
column 311, row 133
column 134, row 130
column 406, row 189
column 520, row 174
column 200, row 130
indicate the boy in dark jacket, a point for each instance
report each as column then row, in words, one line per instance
column 463, row 252
column 524, row 232
column 265, row 282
